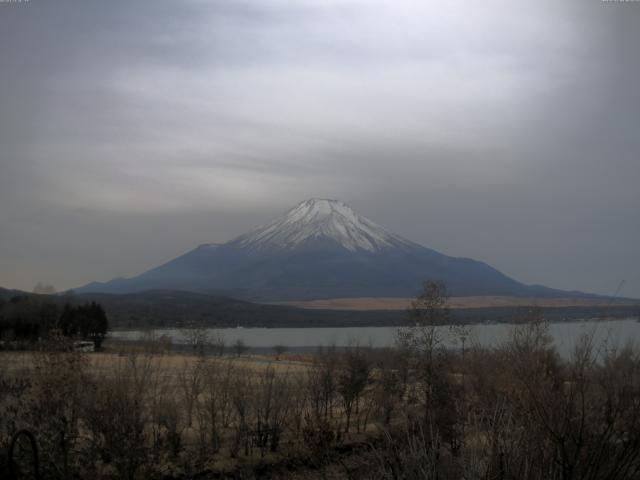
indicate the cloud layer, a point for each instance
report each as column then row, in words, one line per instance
column 132, row 131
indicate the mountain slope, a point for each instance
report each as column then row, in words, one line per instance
column 320, row 249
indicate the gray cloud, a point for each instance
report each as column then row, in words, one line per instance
column 132, row 131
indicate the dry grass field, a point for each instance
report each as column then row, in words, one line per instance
column 388, row 303
column 182, row 412
column 169, row 363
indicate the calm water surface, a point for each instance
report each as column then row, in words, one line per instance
column 613, row 333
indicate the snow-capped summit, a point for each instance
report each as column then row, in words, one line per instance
column 321, row 220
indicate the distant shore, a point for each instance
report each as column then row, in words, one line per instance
column 333, row 318
column 390, row 303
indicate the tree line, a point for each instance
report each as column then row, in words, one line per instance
column 28, row 319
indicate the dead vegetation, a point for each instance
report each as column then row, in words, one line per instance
column 414, row 412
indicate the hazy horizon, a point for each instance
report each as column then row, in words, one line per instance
column 508, row 133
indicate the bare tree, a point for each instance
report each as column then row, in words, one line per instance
column 242, row 390
column 190, row 381
column 117, row 414
column 428, row 311
column 271, row 409
column 423, row 342
column 54, row 405
column 299, row 403
column 239, row 347
column 388, row 390
column 214, row 412
column 197, row 337
column 322, row 384
column 353, row 377
column 279, row 350
column 218, row 343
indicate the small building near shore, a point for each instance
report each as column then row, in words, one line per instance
column 83, row 346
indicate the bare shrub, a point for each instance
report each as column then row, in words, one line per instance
column 353, row 377
column 241, row 394
column 388, row 390
column 271, row 394
column 216, row 408
column 320, row 439
column 153, row 344
column 322, row 385
column 190, row 381
column 298, row 404
column 218, row 343
column 409, row 453
column 53, row 404
column 116, row 415
column 14, row 389
column 240, row 348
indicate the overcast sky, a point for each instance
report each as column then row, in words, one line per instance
column 509, row 132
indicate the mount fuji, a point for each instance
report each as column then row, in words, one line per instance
column 317, row 250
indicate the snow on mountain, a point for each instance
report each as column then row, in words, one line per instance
column 321, row 219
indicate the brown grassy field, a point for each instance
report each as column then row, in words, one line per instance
column 389, row 303
column 169, row 363
column 174, row 395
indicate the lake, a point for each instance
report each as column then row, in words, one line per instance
column 565, row 334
